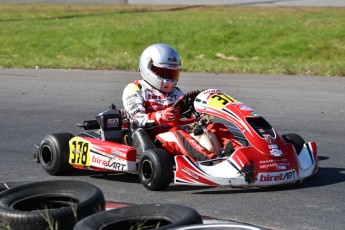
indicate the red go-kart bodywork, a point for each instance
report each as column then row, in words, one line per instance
column 265, row 158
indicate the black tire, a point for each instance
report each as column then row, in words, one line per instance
column 220, row 226
column 147, row 216
column 296, row 140
column 7, row 185
column 155, row 169
column 54, row 153
column 49, row 205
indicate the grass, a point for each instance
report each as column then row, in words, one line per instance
column 221, row 39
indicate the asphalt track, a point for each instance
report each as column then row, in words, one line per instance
column 38, row 102
column 34, row 103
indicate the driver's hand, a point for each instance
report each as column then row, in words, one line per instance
column 170, row 114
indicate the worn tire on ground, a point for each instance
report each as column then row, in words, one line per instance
column 146, row 216
column 49, row 205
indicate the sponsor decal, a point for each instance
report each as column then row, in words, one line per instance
column 276, row 152
column 108, row 163
column 196, row 144
column 255, row 114
column 140, row 116
column 132, row 113
column 131, row 96
column 245, row 108
column 211, row 91
column 279, row 164
column 117, row 153
column 117, row 166
column 130, row 103
column 277, row 177
column 133, row 107
column 112, row 122
column 161, row 98
column 273, row 160
column 269, row 139
column 190, row 173
column 281, row 167
column 273, row 146
column 172, row 97
column 104, row 161
column 174, row 59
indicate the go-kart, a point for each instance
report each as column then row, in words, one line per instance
column 112, row 143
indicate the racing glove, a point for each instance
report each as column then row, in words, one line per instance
column 168, row 115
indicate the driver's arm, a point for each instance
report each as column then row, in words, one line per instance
column 134, row 104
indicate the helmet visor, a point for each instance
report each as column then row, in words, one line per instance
column 166, row 71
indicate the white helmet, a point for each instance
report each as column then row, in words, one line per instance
column 160, row 67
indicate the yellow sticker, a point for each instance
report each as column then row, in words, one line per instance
column 218, row 101
column 79, row 153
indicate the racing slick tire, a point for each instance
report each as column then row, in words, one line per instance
column 54, row 153
column 296, row 140
column 155, row 169
column 49, row 205
column 146, row 216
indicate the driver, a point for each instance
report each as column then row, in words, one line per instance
column 149, row 102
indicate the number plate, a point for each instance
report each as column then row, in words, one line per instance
column 220, row 100
column 79, row 152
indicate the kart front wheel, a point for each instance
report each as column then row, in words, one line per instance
column 155, row 169
column 296, row 140
column 54, row 153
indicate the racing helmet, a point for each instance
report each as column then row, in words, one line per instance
column 160, row 66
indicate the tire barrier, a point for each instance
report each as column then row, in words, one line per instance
column 49, row 205
column 146, row 216
column 77, row 205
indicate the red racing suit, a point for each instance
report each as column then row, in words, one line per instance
column 144, row 104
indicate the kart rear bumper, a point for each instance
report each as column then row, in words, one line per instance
column 36, row 150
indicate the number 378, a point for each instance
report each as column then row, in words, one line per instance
column 79, row 152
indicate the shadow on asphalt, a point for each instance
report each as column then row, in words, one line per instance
column 133, row 178
column 119, row 177
column 324, row 177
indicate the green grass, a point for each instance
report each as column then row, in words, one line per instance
column 228, row 39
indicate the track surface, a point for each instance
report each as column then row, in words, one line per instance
column 34, row 103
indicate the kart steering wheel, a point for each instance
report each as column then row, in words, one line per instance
column 186, row 103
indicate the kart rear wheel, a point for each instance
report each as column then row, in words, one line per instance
column 146, row 216
column 54, row 153
column 296, row 140
column 155, row 169
column 49, row 204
